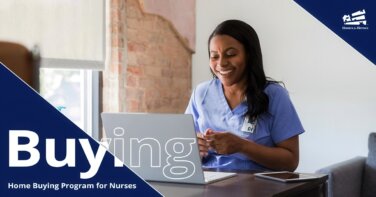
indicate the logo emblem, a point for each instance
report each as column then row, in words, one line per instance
column 356, row 18
column 355, row 21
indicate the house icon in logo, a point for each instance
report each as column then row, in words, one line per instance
column 356, row 18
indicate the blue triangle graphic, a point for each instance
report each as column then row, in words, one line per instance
column 21, row 108
column 352, row 20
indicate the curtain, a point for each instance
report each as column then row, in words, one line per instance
column 68, row 33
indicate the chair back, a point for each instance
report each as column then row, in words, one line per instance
column 369, row 174
column 23, row 62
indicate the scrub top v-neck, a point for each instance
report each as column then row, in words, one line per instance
column 210, row 109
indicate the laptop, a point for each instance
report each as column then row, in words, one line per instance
column 158, row 147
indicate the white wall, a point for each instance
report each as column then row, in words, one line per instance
column 332, row 85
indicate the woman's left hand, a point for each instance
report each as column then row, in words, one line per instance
column 224, row 142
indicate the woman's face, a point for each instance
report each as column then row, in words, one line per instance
column 227, row 59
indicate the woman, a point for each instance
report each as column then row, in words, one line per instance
column 244, row 121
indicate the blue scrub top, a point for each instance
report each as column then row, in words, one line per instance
column 210, row 109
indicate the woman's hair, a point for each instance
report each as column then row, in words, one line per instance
column 257, row 100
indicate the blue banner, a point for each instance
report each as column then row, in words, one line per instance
column 44, row 154
column 352, row 20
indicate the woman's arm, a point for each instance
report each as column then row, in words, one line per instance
column 285, row 156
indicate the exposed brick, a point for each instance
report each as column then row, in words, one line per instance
column 132, row 59
column 134, row 12
column 134, row 93
column 146, row 60
column 147, row 82
column 167, row 72
column 115, row 3
column 136, row 47
column 133, row 23
column 153, row 71
column 135, row 70
column 132, row 105
column 132, row 81
column 157, row 77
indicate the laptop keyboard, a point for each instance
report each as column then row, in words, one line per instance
column 211, row 176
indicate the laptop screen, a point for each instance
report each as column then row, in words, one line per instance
column 158, row 147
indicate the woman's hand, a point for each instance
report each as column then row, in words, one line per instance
column 202, row 145
column 284, row 156
column 224, row 142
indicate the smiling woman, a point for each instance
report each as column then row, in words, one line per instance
column 244, row 120
column 227, row 60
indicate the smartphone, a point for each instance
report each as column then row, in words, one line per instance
column 285, row 176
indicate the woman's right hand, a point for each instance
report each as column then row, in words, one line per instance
column 203, row 145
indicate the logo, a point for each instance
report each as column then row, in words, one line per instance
column 355, row 21
column 176, row 165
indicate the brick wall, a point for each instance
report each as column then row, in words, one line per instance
column 150, row 66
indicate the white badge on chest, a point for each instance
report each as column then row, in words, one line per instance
column 249, row 125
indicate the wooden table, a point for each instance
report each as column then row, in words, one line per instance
column 245, row 184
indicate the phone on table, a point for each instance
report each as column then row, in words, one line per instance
column 285, row 176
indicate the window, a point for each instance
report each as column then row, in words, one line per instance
column 74, row 92
column 73, row 39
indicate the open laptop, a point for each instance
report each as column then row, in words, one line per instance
column 158, row 147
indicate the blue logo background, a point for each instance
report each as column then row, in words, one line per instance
column 23, row 109
column 330, row 13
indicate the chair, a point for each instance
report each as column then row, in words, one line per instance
column 355, row 177
column 23, row 62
